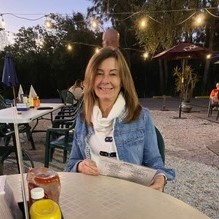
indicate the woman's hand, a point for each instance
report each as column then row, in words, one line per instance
column 158, row 183
column 88, row 167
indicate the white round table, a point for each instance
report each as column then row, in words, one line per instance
column 94, row 197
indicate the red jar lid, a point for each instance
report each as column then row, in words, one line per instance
column 43, row 175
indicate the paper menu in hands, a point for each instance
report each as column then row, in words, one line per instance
column 124, row 170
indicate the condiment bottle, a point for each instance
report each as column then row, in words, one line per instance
column 46, row 178
column 36, row 101
column 36, row 194
column 45, row 209
column 30, row 102
column 25, row 99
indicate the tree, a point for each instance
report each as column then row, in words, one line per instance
column 42, row 58
column 170, row 22
column 167, row 23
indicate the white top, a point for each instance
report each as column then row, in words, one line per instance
column 37, row 193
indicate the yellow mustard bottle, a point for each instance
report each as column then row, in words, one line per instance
column 45, row 209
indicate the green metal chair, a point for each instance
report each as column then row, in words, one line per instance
column 6, row 148
column 23, row 128
column 60, row 135
column 60, row 138
column 161, row 144
column 67, row 97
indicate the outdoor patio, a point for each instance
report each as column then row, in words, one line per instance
column 187, row 141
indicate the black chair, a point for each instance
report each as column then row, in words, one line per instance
column 213, row 107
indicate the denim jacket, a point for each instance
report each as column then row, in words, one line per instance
column 136, row 143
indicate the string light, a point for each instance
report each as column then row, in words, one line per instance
column 97, row 50
column 95, row 24
column 145, row 55
column 208, row 56
column 69, row 47
column 143, row 23
column 2, row 23
column 24, row 18
column 48, row 23
column 40, row 43
column 199, row 19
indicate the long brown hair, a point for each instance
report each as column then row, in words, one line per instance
column 127, row 89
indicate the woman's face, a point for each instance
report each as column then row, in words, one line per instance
column 107, row 83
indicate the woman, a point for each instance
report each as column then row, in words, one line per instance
column 112, row 122
column 76, row 89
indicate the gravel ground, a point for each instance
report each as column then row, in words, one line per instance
column 186, row 140
column 197, row 174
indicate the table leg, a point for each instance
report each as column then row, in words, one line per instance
column 37, row 121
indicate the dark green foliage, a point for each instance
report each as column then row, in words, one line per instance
column 51, row 67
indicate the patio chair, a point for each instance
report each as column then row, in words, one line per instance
column 161, row 144
column 23, row 128
column 60, row 136
column 67, row 98
column 6, row 149
column 71, row 112
column 212, row 107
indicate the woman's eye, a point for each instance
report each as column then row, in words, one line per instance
column 113, row 74
column 99, row 73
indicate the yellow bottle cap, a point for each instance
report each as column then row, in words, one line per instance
column 45, row 209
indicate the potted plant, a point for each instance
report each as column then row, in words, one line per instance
column 185, row 82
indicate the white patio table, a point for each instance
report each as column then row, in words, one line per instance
column 11, row 115
column 101, row 197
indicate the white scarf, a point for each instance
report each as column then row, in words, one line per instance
column 105, row 124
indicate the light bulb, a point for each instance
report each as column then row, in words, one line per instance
column 199, row 20
column 69, row 47
column 143, row 23
column 208, row 56
column 145, row 55
column 97, row 50
column 2, row 23
column 48, row 24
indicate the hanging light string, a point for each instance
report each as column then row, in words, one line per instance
column 186, row 19
column 154, row 19
column 24, row 18
column 130, row 14
column 211, row 13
